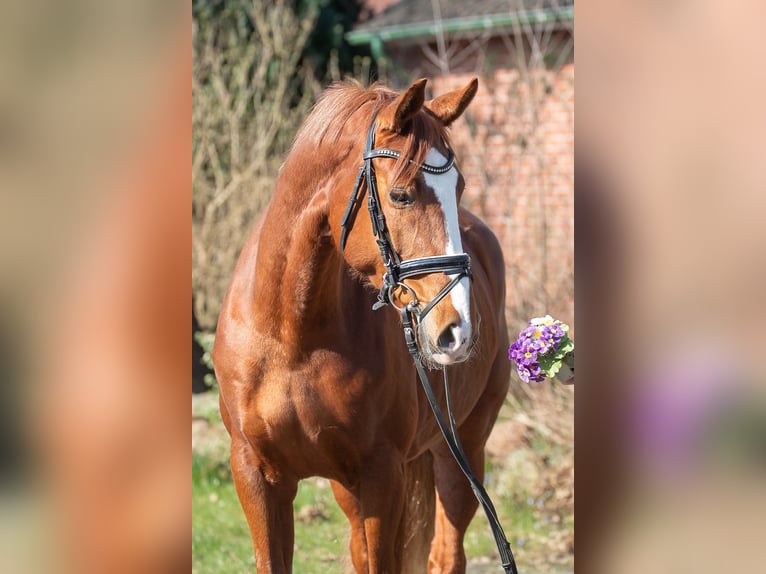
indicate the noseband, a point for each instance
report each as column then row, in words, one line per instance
column 396, row 269
column 396, row 272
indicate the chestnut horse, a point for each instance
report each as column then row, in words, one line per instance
column 314, row 382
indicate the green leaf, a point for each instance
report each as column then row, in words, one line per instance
column 550, row 363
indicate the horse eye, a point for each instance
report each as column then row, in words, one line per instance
column 400, row 197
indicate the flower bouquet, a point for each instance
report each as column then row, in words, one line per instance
column 543, row 350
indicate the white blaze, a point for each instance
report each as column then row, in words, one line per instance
column 445, row 187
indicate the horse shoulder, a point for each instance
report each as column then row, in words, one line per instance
column 238, row 348
column 484, row 248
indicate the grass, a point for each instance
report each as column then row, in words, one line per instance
column 221, row 541
column 538, row 530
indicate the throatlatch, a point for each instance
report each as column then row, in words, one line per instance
column 458, row 266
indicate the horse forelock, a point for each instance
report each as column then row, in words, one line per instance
column 424, row 132
column 344, row 112
column 329, row 118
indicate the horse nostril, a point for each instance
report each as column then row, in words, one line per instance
column 446, row 341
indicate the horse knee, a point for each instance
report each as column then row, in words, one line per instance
column 268, row 505
column 447, row 561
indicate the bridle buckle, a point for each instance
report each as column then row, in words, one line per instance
column 410, row 305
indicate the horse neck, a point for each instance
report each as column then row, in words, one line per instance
column 298, row 279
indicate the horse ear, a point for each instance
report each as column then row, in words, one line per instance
column 450, row 107
column 397, row 116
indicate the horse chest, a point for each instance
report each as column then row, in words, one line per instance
column 324, row 417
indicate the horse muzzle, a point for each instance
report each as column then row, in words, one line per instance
column 452, row 345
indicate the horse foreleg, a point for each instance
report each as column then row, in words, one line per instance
column 455, row 507
column 268, row 506
column 349, row 502
column 455, row 500
column 382, row 500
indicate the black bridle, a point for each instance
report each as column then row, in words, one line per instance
column 458, row 266
column 396, row 269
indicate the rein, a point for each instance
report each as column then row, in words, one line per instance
column 412, row 314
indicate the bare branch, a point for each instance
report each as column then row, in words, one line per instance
column 244, row 117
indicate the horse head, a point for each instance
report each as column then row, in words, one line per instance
column 417, row 188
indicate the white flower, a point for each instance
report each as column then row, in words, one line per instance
column 541, row 321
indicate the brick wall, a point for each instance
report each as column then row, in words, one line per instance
column 515, row 147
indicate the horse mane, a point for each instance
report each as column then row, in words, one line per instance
column 331, row 117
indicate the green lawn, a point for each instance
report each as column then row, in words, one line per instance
column 539, row 532
column 221, row 541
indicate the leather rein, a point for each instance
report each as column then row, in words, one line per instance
column 458, row 266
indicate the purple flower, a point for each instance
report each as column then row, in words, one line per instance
column 556, row 331
column 535, row 374
column 540, row 340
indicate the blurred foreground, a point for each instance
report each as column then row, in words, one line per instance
column 671, row 271
column 94, row 249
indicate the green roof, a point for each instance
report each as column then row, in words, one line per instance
column 414, row 19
